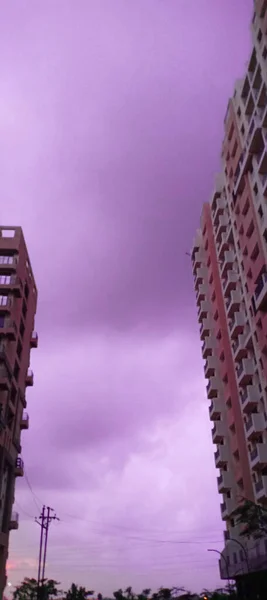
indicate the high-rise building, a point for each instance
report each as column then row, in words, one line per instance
column 18, row 298
column 229, row 259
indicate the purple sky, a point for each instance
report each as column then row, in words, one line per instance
column 111, row 119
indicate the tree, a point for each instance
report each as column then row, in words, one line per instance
column 78, row 593
column 118, row 595
column 253, row 518
column 27, row 590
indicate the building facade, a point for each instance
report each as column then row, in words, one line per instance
column 229, row 259
column 18, row 299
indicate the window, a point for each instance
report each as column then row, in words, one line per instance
column 13, row 396
column 21, row 329
column 2, row 321
column 239, row 112
column 4, row 300
column 260, row 211
column 243, row 130
column 250, row 229
column 228, row 494
column 256, row 189
column 26, row 291
column 8, row 233
column 246, row 207
column 6, row 260
column 259, row 36
column 231, row 132
column 5, row 279
column 24, row 309
column 19, row 349
column 264, row 53
column 16, row 371
column 234, row 149
column 255, row 253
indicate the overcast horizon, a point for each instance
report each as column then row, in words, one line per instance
column 111, row 118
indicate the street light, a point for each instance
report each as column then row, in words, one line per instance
column 244, row 550
column 226, row 564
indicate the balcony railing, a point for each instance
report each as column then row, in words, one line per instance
column 254, row 453
column 8, row 260
column 260, row 285
column 259, row 485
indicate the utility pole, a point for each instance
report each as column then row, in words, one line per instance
column 44, row 521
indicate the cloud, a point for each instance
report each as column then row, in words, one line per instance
column 111, row 128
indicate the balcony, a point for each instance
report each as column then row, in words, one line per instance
column 215, row 408
column 234, row 301
column 208, row 346
column 245, row 371
column 213, row 387
column 34, row 339
column 199, row 258
column 254, row 139
column 29, row 378
column 19, row 468
column 201, row 275
column 9, row 329
column 5, row 304
column 11, row 283
column 220, row 206
column 8, row 264
column 230, row 282
column 263, row 180
column 24, row 421
column 5, row 381
column 221, row 456
column 237, row 324
column 223, row 223
column 260, row 295
column 218, row 432
column 255, row 425
column 205, row 328
column 222, row 246
column 239, row 347
column 224, row 482
column 258, row 457
column 261, row 488
column 227, row 508
column 228, row 261
column 242, row 168
column 250, row 398
column 260, row 6
column 201, row 293
column 14, row 521
column 204, row 310
column 210, row 366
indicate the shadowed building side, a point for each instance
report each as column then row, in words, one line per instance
column 18, row 300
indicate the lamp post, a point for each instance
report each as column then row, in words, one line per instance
column 244, row 550
column 226, row 564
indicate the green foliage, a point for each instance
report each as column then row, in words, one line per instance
column 253, row 518
column 27, row 590
column 78, row 593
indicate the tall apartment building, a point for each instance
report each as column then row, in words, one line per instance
column 229, row 259
column 18, row 298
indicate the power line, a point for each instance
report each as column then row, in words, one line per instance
column 35, row 498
